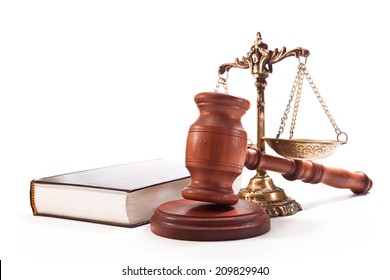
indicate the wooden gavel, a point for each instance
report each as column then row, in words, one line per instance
column 217, row 153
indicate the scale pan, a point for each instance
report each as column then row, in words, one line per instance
column 303, row 148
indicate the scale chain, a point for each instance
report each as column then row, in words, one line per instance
column 322, row 102
column 287, row 110
column 224, row 83
column 297, row 88
column 297, row 100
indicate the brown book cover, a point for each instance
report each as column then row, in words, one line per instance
column 123, row 195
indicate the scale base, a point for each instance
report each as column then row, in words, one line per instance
column 262, row 191
column 201, row 221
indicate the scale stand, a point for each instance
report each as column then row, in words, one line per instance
column 261, row 188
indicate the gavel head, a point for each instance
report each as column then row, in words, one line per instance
column 216, row 148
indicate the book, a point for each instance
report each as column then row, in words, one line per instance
column 122, row 195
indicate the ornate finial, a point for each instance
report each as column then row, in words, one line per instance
column 258, row 38
column 257, row 57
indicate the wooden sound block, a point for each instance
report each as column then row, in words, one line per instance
column 201, row 221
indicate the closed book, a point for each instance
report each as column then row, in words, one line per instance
column 123, row 195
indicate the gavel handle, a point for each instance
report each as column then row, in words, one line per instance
column 309, row 171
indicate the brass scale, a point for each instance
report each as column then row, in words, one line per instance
column 261, row 188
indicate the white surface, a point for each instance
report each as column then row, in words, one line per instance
column 86, row 84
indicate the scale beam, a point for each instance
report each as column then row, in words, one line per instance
column 260, row 60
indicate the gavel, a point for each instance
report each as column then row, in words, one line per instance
column 217, row 152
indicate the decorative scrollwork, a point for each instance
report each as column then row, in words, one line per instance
column 260, row 60
column 303, row 148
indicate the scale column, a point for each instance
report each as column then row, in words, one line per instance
column 261, row 188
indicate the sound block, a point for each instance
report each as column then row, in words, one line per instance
column 201, row 221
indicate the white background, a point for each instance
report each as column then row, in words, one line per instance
column 86, row 84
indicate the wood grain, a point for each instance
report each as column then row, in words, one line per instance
column 202, row 221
